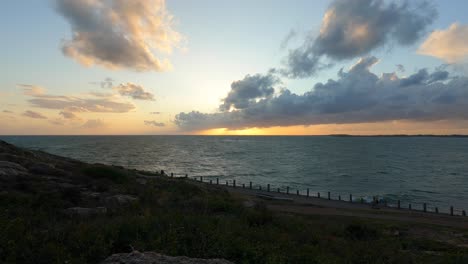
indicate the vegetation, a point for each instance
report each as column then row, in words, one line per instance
column 177, row 217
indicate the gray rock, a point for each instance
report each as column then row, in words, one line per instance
column 85, row 212
column 44, row 169
column 119, row 200
column 151, row 258
column 10, row 169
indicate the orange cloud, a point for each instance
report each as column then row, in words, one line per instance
column 450, row 45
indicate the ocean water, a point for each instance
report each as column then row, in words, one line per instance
column 432, row 170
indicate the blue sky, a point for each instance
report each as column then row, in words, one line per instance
column 223, row 41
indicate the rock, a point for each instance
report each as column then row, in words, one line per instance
column 150, row 257
column 85, row 212
column 10, row 169
column 119, row 200
column 44, row 169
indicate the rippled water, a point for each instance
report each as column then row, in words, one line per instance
column 413, row 169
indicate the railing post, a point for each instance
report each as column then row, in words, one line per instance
column 350, row 198
column 424, row 207
column 287, row 189
column 268, row 187
column 307, row 192
column 399, row 205
column 329, row 197
column 250, row 185
column 451, row 210
column 217, row 181
column 234, row 183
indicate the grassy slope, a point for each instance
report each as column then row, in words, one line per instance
column 176, row 217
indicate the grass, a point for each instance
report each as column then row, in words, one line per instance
column 176, row 217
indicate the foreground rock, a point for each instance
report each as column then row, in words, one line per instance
column 150, row 257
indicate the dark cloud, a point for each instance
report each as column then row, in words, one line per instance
column 34, row 115
column 352, row 28
column 248, row 90
column 154, row 123
column 356, row 96
column 119, row 34
column 134, row 91
column 291, row 35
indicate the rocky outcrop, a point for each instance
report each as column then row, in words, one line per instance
column 150, row 257
column 11, row 169
column 119, row 200
column 85, row 212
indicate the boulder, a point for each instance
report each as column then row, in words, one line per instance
column 151, row 257
column 85, row 212
column 11, row 169
column 44, row 169
column 119, row 200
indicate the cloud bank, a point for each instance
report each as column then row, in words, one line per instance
column 154, row 123
column 352, row 28
column 450, row 45
column 356, row 96
column 34, row 115
column 119, row 33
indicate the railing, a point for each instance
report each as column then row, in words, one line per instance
column 309, row 194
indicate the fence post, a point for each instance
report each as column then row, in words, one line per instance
column 297, row 192
column 318, row 195
column 260, row 187
column 234, row 183
column 329, row 196
column 287, row 189
column 464, row 213
column 162, row 172
column 350, row 198
column 307, row 192
column 243, row 186
column 409, row 206
column 227, row 182
column 172, row 175
column 451, row 210
column 217, row 181
column 201, row 178
column 437, row 210
column 268, row 187
column 339, row 197
column 186, row 175
column 424, row 207
column 250, row 185
column 399, row 205
column 279, row 190
column 211, row 181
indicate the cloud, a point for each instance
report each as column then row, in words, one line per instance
column 155, row 113
column 154, row 123
column 352, row 28
column 356, row 96
column 291, row 35
column 449, row 45
column 119, row 33
column 93, row 123
column 32, row 90
column 248, row 90
column 69, row 115
column 7, row 112
column 34, row 115
column 134, row 91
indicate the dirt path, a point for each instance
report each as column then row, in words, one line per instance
column 322, row 206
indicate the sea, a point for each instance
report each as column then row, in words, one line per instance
column 416, row 170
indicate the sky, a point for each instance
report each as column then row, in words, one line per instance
column 266, row 67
